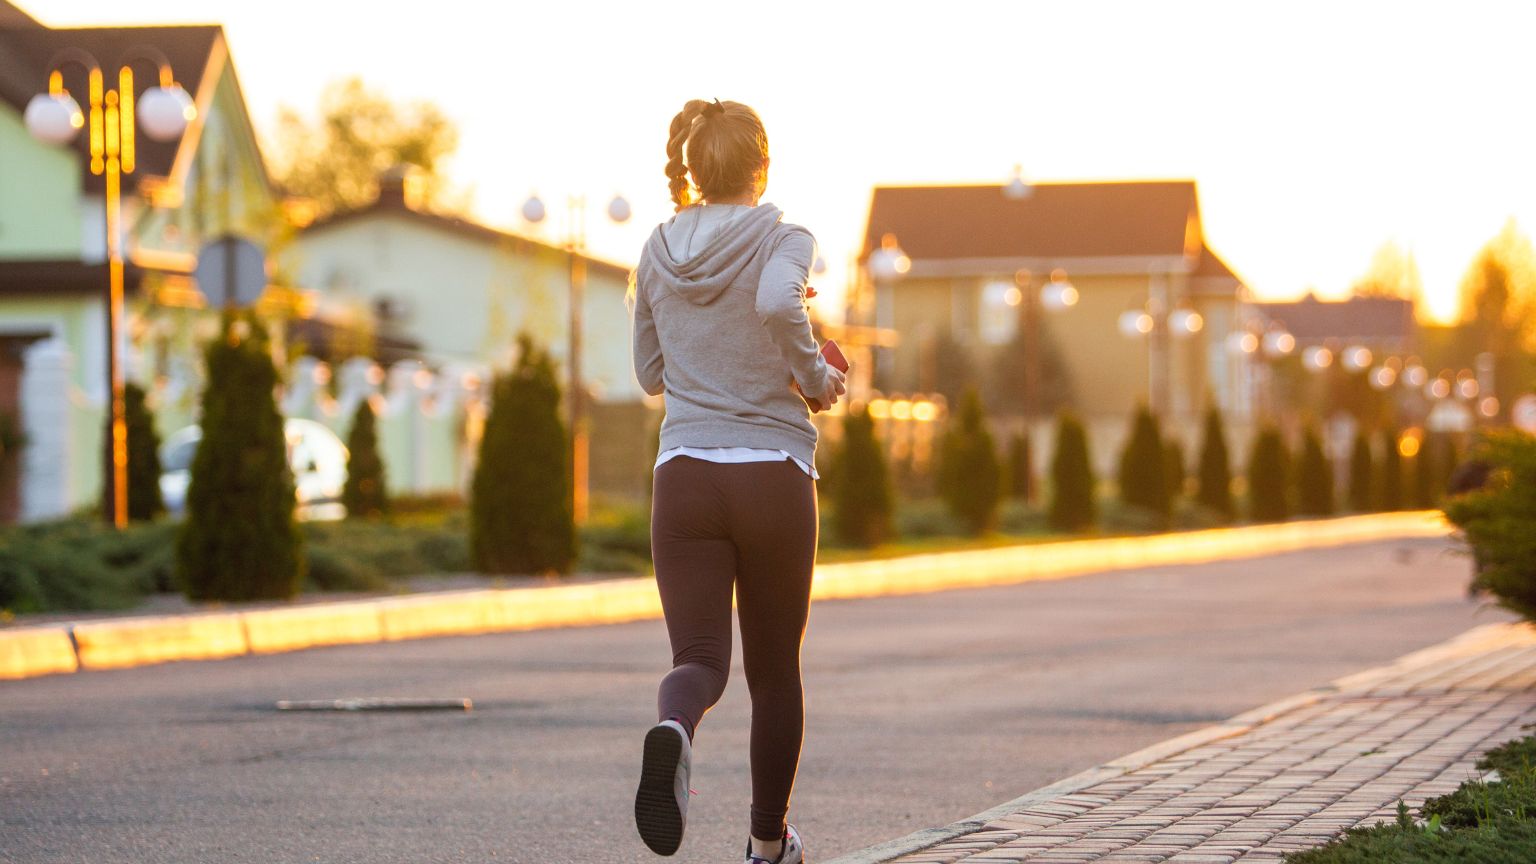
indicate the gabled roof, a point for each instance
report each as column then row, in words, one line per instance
column 1058, row 220
column 389, row 205
column 11, row 16
column 26, row 53
column 1366, row 319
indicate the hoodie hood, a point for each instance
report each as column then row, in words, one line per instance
column 699, row 252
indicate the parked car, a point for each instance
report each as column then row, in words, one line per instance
column 316, row 455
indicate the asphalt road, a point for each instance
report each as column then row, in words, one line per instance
column 921, row 710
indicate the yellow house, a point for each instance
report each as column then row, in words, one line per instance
column 1151, row 304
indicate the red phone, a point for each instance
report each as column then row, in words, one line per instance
column 835, row 358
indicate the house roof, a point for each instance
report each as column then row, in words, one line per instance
column 1058, row 220
column 394, row 205
column 11, row 16
column 57, row 277
column 1366, row 319
column 28, row 51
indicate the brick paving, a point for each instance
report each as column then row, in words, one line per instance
column 1290, row 781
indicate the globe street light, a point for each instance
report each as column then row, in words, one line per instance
column 575, row 244
column 55, row 118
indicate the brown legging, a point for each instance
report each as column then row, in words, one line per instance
column 750, row 525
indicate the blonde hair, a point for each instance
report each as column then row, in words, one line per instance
column 726, row 148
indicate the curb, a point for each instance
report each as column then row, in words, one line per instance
column 126, row 642
column 1471, row 642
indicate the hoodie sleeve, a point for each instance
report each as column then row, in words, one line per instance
column 647, row 347
column 781, row 307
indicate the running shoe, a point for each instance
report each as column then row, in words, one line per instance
column 792, row 852
column 661, row 802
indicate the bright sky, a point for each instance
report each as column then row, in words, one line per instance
column 1317, row 130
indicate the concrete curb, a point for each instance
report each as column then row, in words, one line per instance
column 1471, row 642
column 125, row 642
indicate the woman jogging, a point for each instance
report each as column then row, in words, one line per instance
column 720, row 327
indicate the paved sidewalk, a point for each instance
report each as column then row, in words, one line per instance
column 1284, row 777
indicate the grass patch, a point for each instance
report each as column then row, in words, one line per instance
column 1488, row 819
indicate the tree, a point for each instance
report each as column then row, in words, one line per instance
column 1498, row 309
column 1393, row 273
column 864, row 502
column 1389, row 484
column 970, row 481
column 1314, row 477
column 1143, row 469
column 1005, row 385
column 1173, row 469
column 360, row 133
column 1021, row 474
column 364, row 492
column 1496, row 520
column 240, row 540
column 1072, row 502
column 1361, row 497
column 144, row 501
column 521, row 518
column 1427, row 472
column 1267, row 474
column 1215, row 482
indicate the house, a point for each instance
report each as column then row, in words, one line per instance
column 53, row 251
column 459, row 293
column 976, row 257
column 1384, row 325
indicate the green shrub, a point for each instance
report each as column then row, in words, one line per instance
column 1021, row 474
column 971, row 484
column 1361, row 481
column 1389, row 482
column 1314, row 477
column 1267, row 475
column 364, row 492
column 1215, row 482
column 1408, row 843
column 1143, row 471
column 916, row 520
column 521, row 519
column 1496, row 520
column 861, row 489
column 1173, row 469
column 1072, row 502
column 78, row 565
column 144, row 501
column 239, row 540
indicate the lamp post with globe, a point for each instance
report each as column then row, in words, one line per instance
column 575, row 243
column 56, row 118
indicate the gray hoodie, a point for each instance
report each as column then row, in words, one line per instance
column 720, row 327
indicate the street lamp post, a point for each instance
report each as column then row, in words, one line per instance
column 55, row 118
column 1160, row 323
column 1055, row 294
column 885, row 266
column 576, row 408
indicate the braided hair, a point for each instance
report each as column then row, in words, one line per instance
column 721, row 144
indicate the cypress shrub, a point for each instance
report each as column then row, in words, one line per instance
column 1267, row 472
column 970, row 479
column 863, row 500
column 144, row 501
column 240, row 540
column 1072, row 503
column 521, row 519
column 363, row 493
column 1021, row 476
column 1361, row 499
column 1143, row 475
column 1314, row 477
column 1173, row 469
column 1426, row 472
column 1215, row 481
column 1496, row 520
column 1389, row 483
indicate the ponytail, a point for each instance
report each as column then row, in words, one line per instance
column 725, row 148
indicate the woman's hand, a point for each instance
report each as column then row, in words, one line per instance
column 837, row 385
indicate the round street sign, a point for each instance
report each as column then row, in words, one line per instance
column 1523, row 413
column 231, row 271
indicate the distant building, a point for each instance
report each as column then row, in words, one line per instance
column 455, row 294
column 1386, row 325
column 53, row 252
column 1123, row 246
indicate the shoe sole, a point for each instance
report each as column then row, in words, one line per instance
column 657, row 816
